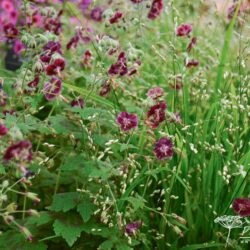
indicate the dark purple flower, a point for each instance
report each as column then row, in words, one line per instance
column 20, row 151
column 34, row 83
column 191, row 44
column 52, row 47
column 192, row 63
column 10, row 30
column 53, row 24
column 155, row 93
column 52, row 89
column 45, row 58
column 77, row 103
column 3, row 98
column 55, row 68
column 183, row 29
column 120, row 67
column 242, row 206
column 127, row 121
column 73, row 42
column 116, row 17
column 163, row 148
column 96, row 14
column 156, row 114
column 132, row 228
column 156, row 9
column 3, row 130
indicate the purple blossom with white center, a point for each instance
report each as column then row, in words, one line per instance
column 52, row 89
column 127, row 121
column 20, row 151
column 155, row 93
column 163, row 148
column 133, row 227
column 156, row 114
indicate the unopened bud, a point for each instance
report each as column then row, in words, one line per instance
column 8, row 219
column 12, row 207
column 5, row 184
column 33, row 197
column 33, row 212
column 26, row 232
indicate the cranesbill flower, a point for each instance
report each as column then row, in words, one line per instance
column 52, row 47
column 116, row 17
column 3, row 130
column 96, row 14
column 192, row 63
column 10, row 31
column 156, row 114
column 155, row 93
column 133, row 227
column 120, row 67
column 55, row 68
column 242, row 206
column 183, row 29
column 156, row 9
column 34, row 83
column 73, row 42
column 20, row 151
column 52, row 89
column 77, row 103
column 54, row 24
column 163, row 148
column 127, row 121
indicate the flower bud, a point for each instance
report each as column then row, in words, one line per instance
column 38, row 66
column 26, row 232
column 8, row 219
column 33, row 197
column 33, row 212
column 12, row 207
column 5, row 184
